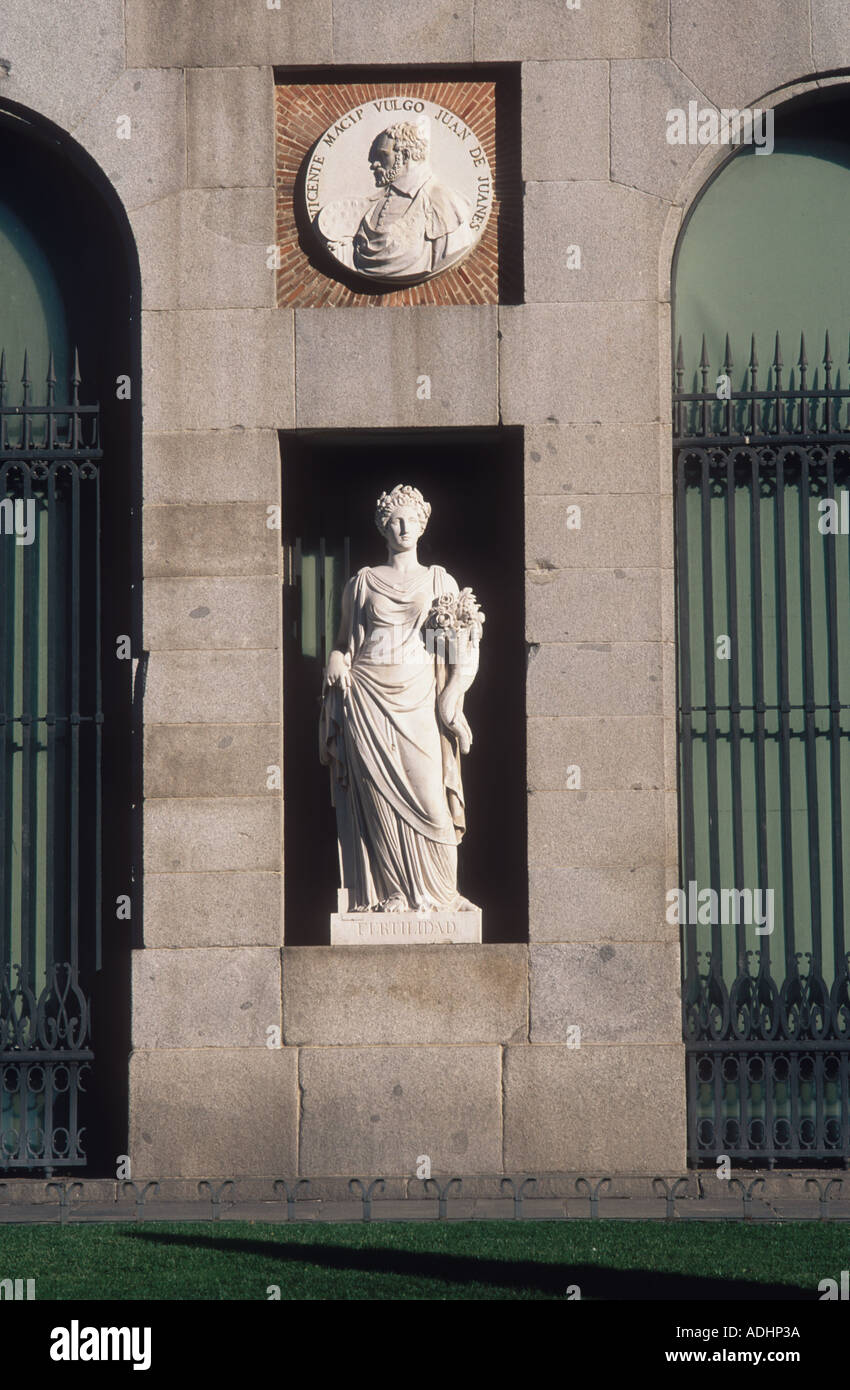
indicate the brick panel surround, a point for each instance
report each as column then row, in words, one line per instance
column 303, row 111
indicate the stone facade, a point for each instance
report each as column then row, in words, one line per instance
column 458, row 1052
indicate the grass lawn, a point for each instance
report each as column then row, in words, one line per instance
column 463, row 1260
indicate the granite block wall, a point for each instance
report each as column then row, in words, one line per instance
column 252, row 1058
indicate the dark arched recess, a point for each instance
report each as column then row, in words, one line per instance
column 74, row 217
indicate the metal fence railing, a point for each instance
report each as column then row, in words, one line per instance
column 51, row 732
column 763, row 600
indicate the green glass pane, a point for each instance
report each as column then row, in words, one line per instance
column 764, row 251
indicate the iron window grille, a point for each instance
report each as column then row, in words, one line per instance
column 51, row 732
column 764, row 756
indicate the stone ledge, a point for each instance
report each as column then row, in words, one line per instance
column 449, row 993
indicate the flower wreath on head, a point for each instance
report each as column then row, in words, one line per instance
column 402, row 495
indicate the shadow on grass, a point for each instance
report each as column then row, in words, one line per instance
column 552, row 1279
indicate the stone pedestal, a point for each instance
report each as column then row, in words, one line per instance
column 380, row 928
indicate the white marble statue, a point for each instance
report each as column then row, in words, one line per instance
column 392, row 727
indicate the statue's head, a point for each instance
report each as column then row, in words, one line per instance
column 404, row 500
column 407, row 142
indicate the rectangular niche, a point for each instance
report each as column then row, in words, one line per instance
column 308, row 102
column 473, row 479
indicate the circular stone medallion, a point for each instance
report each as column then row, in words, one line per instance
column 398, row 190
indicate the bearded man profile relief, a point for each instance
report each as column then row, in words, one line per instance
column 413, row 226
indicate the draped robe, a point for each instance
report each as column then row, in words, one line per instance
column 395, row 770
column 411, row 227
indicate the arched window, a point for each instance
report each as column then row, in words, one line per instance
column 68, row 324
column 762, row 452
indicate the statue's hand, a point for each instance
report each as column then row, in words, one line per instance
column 463, row 733
column 448, row 702
column 338, row 672
column 454, row 720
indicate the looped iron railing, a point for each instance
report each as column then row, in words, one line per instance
column 43, row 1064
column 753, row 1002
column 754, row 1009
column 57, row 1021
column 18, row 1012
column 839, row 1002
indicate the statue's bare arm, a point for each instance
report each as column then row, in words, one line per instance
column 338, row 670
